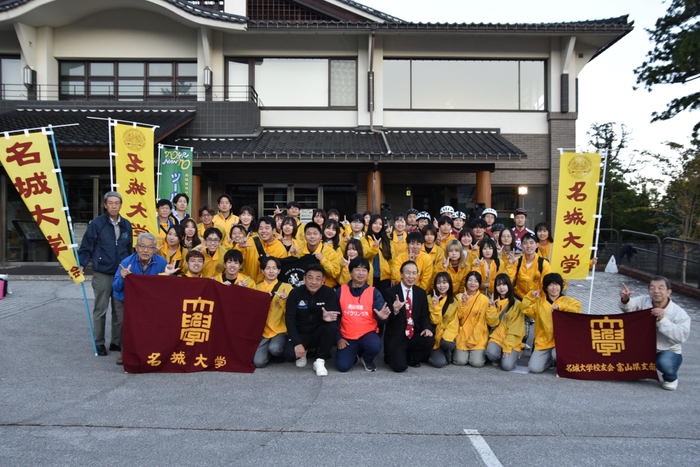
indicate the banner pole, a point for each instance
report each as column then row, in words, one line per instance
column 72, row 235
column 158, row 173
column 598, row 217
column 111, row 155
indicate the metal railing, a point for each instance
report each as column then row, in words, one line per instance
column 644, row 254
column 147, row 93
column 685, row 261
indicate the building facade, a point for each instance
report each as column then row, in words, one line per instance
column 327, row 102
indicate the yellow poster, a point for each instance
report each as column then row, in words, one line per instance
column 28, row 163
column 136, row 177
column 577, row 204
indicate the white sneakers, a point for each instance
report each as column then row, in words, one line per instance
column 301, row 362
column 667, row 385
column 320, row 367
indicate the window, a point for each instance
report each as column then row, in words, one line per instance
column 11, row 85
column 464, row 84
column 296, row 82
column 135, row 81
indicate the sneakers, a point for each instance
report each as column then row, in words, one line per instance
column 301, row 362
column 369, row 366
column 670, row 385
column 320, row 367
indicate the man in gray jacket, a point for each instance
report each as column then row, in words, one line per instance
column 672, row 326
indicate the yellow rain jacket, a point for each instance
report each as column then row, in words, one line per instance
column 541, row 311
column 425, row 269
column 329, row 262
column 275, row 323
column 526, row 279
column 446, row 325
column 511, row 328
column 474, row 321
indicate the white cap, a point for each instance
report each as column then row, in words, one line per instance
column 489, row 211
column 446, row 209
column 460, row 215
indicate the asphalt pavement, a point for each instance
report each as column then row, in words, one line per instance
column 62, row 406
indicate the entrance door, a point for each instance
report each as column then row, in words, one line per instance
column 308, row 196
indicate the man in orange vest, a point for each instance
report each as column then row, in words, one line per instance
column 362, row 309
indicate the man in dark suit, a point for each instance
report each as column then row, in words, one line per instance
column 408, row 338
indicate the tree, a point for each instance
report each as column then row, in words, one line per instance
column 626, row 199
column 675, row 57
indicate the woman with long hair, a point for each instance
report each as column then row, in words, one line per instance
column 331, row 233
column 506, row 340
column 473, row 324
column 455, row 264
column 488, row 264
column 191, row 239
column 444, row 311
column 379, row 251
column 544, row 240
column 172, row 250
column 353, row 249
column 289, row 235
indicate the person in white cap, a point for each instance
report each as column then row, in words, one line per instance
column 423, row 219
column 458, row 221
column 489, row 215
column 447, row 211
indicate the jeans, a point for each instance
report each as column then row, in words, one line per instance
column 668, row 363
column 370, row 344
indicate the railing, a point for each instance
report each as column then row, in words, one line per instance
column 686, row 260
column 151, row 92
column 644, row 255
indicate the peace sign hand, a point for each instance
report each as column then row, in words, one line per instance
column 383, row 313
column 464, row 296
column 436, row 298
column 125, row 271
column 625, row 293
column 170, row 269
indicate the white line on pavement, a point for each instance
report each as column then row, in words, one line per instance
column 482, row 447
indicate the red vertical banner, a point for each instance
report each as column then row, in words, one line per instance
column 136, row 177
column 27, row 160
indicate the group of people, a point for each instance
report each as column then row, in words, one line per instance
column 428, row 290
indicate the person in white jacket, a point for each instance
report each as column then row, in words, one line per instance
column 672, row 326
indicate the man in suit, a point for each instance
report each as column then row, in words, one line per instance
column 408, row 338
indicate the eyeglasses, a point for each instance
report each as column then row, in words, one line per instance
column 213, row 240
column 145, row 247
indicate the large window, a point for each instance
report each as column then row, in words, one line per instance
column 464, row 84
column 11, row 86
column 296, row 82
column 128, row 81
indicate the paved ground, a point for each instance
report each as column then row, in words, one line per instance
column 60, row 405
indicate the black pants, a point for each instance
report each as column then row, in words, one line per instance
column 399, row 350
column 322, row 338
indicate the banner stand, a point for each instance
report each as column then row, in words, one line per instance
column 72, row 236
column 604, row 154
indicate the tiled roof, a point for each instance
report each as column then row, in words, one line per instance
column 195, row 10
column 610, row 25
column 372, row 11
column 357, row 146
column 90, row 132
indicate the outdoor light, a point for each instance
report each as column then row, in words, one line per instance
column 28, row 76
column 207, row 77
column 408, row 191
column 522, row 190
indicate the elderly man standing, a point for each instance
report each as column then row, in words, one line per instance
column 106, row 242
column 144, row 261
column 672, row 326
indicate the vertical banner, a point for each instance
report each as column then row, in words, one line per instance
column 136, row 177
column 175, row 172
column 28, row 163
column 579, row 175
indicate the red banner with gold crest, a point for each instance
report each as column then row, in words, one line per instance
column 621, row 346
column 183, row 324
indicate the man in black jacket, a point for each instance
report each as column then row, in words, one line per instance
column 312, row 320
column 408, row 337
column 107, row 241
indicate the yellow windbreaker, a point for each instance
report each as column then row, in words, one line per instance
column 399, row 243
column 344, row 275
column 275, row 323
column 446, row 325
column 178, row 258
column 541, row 311
column 425, row 269
column 457, row 274
column 527, row 279
column 474, row 321
column 488, row 276
column 225, row 224
column 251, row 263
column 213, row 264
column 329, row 262
column 371, row 251
column 511, row 328
column 242, row 280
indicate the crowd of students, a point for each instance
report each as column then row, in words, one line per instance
column 481, row 280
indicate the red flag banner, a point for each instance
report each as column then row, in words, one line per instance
column 600, row 347
column 183, row 324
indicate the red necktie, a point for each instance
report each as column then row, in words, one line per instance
column 409, row 315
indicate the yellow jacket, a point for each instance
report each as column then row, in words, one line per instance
column 541, row 311
column 275, row 323
column 511, row 328
column 329, row 262
column 474, row 321
column 251, row 263
column 385, row 265
column 490, row 278
column 527, row 279
column 399, row 243
column 425, row 269
column 344, row 275
column 242, row 280
column 546, row 251
column 225, row 224
column 447, row 325
column 213, row 264
column 178, row 258
column 442, row 242
column 437, row 256
column 457, row 275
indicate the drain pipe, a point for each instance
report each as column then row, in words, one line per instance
column 370, row 104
